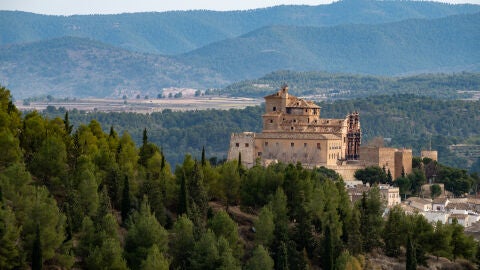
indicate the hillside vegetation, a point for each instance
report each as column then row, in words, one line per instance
column 321, row 85
column 86, row 199
column 76, row 67
column 413, row 46
column 182, row 31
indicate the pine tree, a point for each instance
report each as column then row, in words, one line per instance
column 182, row 243
column 144, row 231
column 37, row 260
column 260, row 260
column 393, row 233
column 155, row 260
column 9, row 238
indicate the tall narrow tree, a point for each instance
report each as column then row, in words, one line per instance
column 411, row 258
column 37, row 260
column 126, row 203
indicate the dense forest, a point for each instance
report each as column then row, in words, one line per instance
column 324, row 85
column 81, row 197
column 410, row 121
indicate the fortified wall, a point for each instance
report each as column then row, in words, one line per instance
column 393, row 159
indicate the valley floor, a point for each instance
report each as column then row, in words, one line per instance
column 144, row 105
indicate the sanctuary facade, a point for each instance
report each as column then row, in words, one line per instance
column 293, row 131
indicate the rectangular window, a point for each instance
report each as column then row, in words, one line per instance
column 292, row 144
column 304, row 144
column 237, row 144
column 318, row 145
column 246, row 145
column 266, row 143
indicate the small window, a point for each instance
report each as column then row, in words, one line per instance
column 246, row 145
column 292, row 144
column 291, row 128
column 271, row 121
column 318, row 145
column 266, row 143
column 259, row 154
column 304, row 144
column 274, row 108
column 237, row 144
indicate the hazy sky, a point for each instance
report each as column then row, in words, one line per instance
column 69, row 7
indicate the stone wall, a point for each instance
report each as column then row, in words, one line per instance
column 403, row 161
column 243, row 143
column 433, row 155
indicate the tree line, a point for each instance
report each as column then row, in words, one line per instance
column 411, row 121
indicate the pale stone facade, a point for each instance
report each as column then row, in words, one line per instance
column 393, row 159
column 391, row 195
column 294, row 132
column 431, row 154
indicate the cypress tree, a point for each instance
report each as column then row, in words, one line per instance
column 411, row 259
column 145, row 137
column 37, row 260
column 239, row 160
column 204, row 161
column 162, row 165
column 126, row 204
column 328, row 260
column 68, row 126
column 112, row 134
column 183, row 197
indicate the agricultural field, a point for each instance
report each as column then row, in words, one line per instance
column 143, row 105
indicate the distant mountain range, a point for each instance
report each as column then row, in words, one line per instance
column 99, row 55
column 182, row 31
column 413, row 46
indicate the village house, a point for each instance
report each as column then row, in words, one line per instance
column 420, row 203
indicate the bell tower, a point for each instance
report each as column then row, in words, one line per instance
column 353, row 137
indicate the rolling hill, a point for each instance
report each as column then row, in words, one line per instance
column 76, row 67
column 449, row 44
column 182, row 31
column 319, row 85
column 80, row 67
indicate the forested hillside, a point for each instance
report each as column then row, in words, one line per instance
column 410, row 121
column 76, row 67
column 77, row 197
column 448, row 44
column 321, row 85
column 182, row 31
